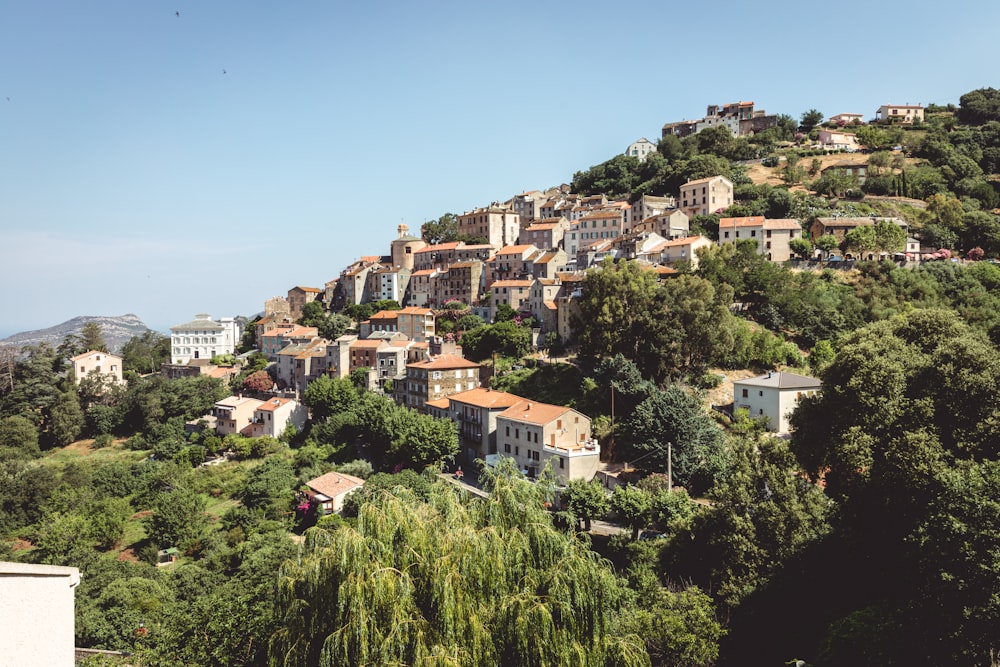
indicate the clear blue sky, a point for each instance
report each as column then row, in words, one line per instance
column 136, row 176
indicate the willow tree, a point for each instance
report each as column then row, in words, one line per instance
column 451, row 581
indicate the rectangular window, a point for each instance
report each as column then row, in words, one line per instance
column 745, row 394
column 506, row 449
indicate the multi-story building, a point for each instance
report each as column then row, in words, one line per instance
column 670, row 224
column 549, row 263
column 436, row 378
column 442, row 255
column 641, row 149
column 233, row 414
column 513, row 293
column 682, row 251
column 463, row 282
column 905, row 114
column 534, row 433
column 546, row 233
column 500, row 225
column 36, row 604
column 607, row 223
column 647, row 206
column 97, row 363
column 415, row 323
column 203, row 338
column 772, row 236
column 542, row 303
column 847, row 119
column 511, row 262
column 421, row 287
column 301, row 363
column 528, row 205
column 299, row 296
column 705, row 196
column 275, row 415
column 475, row 414
column 274, row 341
column 774, row 396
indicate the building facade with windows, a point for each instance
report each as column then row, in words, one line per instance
column 774, row 396
column 534, row 434
column 706, row 196
column 203, row 338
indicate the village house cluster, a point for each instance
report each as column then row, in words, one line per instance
column 531, row 254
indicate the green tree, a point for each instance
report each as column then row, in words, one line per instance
column 827, row 243
column 810, row 119
column 802, row 247
column 178, row 518
column 538, row 598
column 633, row 506
column 585, row 501
column 679, row 628
column 671, row 415
column 442, row 230
column 92, row 337
column 146, row 352
column 18, row 438
column 507, row 339
column 67, row 419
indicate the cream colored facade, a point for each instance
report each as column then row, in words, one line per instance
column 36, row 614
column 101, row 363
column 906, row 114
column 774, row 396
column 234, row 413
column 706, row 196
column 534, row 433
column 772, row 236
column 275, row 415
column 500, row 225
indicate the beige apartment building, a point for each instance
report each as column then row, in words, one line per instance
column 500, row 225
column 706, row 196
column 234, row 414
column 772, row 236
column 905, row 114
column 534, row 433
column 437, row 378
column 100, row 363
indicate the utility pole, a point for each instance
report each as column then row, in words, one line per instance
column 670, row 469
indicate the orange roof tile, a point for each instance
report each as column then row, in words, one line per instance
column 446, row 361
column 482, row 397
column 272, row 404
column 750, row 221
column 533, row 412
column 333, row 484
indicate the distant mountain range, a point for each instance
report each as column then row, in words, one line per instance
column 117, row 331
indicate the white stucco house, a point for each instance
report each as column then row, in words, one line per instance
column 773, row 395
column 36, row 609
column 203, row 338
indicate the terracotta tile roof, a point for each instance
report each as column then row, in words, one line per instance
column 481, row 397
column 441, row 404
column 272, row 404
column 511, row 283
column 439, row 247
column 782, row 223
column 751, row 221
column 533, row 412
column 307, row 289
column 515, row 250
column 333, row 484
column 220, row 372
column 704, row 180
column 423, row 272
column 445, row 361
column 80, row 357
column 237, row 401
column 367, row 343
column 551, row 305
column 299, row 332
column 373, row 259
column 541, row 226
column 384, row 315
column 416, row 310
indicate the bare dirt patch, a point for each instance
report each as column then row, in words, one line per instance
column 723, row 394
column 21, row 545
column 143, row 514
column 128, row 556
column 82, row 447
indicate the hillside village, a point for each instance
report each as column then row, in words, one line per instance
column 753, row 358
